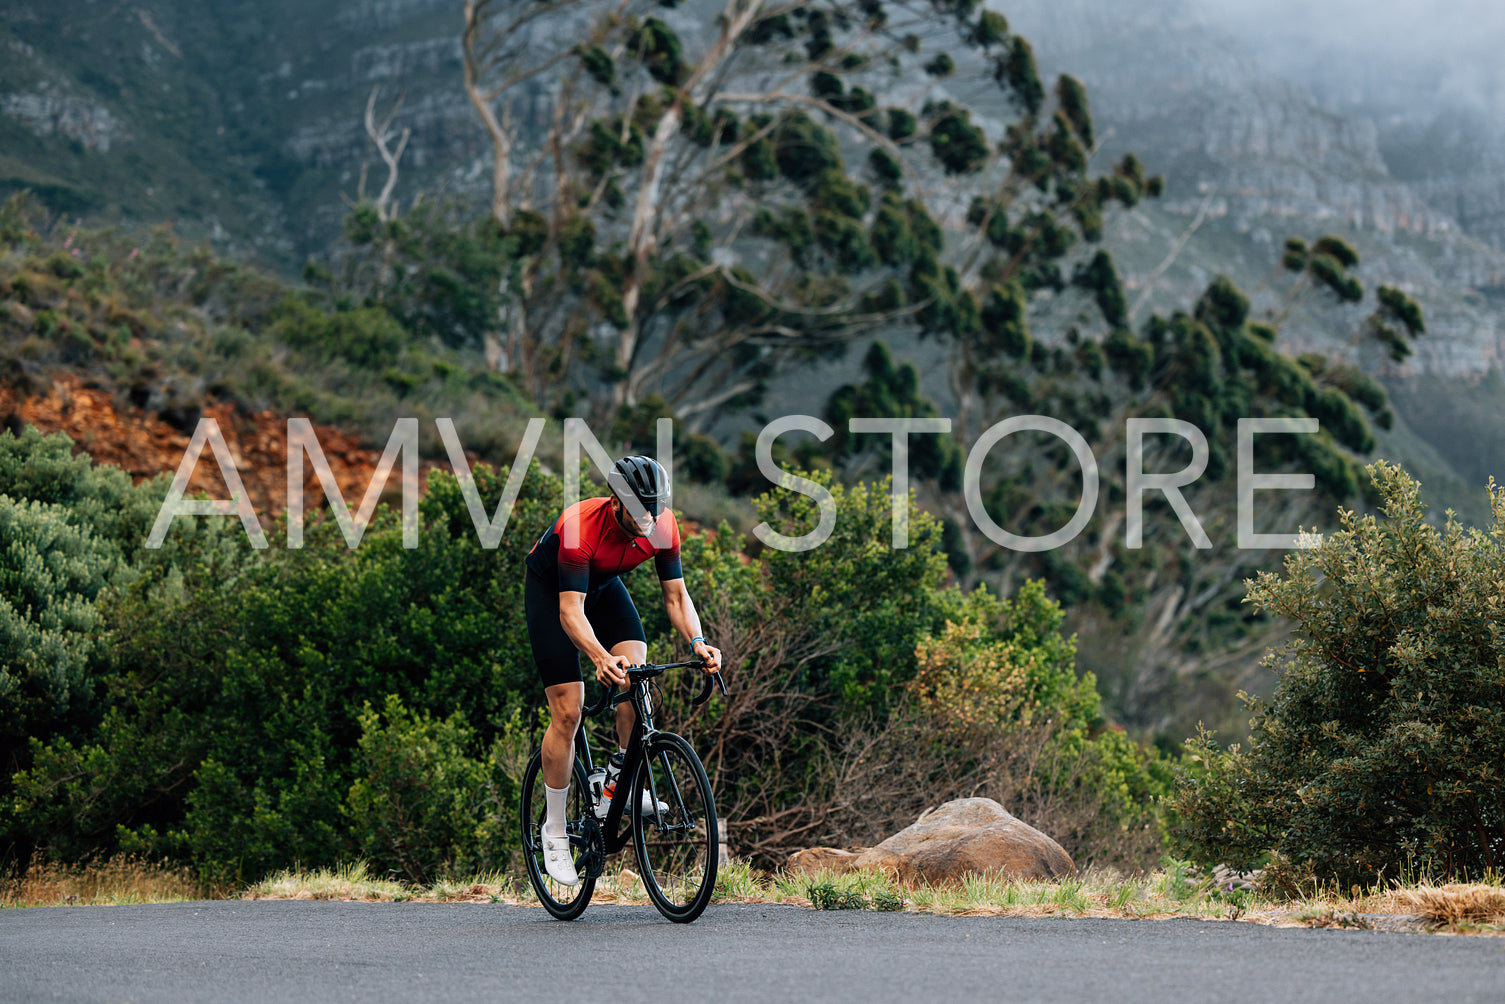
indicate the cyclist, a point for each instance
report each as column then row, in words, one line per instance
column 576, row 603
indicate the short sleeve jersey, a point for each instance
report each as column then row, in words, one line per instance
column 585, row 548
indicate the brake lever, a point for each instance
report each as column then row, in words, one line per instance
column 705, row 688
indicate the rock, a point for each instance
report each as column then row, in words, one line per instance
column 968, row 836
column 815, row 859
column 75, row 118
column 1227, row 879
column 22, row 315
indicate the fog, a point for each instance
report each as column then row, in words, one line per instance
column 1387, row 55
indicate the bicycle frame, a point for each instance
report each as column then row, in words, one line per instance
column 615, row 836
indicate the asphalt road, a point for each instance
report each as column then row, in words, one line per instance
column 333, row 952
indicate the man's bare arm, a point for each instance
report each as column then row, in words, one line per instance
column 686, row 621
column 609, row 668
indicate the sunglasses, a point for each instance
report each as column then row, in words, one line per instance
column 646, row 520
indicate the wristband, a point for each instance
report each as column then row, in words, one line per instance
column 699, row 637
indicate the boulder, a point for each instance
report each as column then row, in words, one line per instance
column 966, row 837
column 816, row 859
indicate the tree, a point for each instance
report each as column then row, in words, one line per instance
column 703, row 209
column 715, row 208
column 501, row 54
column 381, row 137
column 1073, row 356
column 1380, row 752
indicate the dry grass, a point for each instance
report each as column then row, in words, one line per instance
column 120, row 879
column 1454, row 905
column 1094, row 893
column 1175, row 891
column 346, row 882
column 354, row 882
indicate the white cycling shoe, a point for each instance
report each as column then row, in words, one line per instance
column 604, row 806
column 556, row 858
column 648, row 805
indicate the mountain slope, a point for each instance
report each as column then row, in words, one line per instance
column 238, row 121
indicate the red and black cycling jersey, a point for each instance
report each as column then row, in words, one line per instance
column 586, row 548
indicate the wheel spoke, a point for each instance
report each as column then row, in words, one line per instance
column 675, row 845
column 679, row 799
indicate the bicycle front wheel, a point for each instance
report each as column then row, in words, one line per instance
column 563, row 901
column 674, row 829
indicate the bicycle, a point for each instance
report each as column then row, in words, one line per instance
column 674, row 841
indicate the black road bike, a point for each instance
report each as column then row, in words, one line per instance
column 672, row 821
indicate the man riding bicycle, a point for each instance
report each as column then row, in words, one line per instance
column 576, row 603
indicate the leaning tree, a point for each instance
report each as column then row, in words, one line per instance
column 695, row 203
column 703, row 205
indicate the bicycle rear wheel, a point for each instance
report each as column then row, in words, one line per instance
column 675, row 839
column 563, row 901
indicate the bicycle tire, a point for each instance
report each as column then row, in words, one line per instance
column 562, row 901
column 676, row 849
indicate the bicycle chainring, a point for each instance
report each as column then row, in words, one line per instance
column 593, row 859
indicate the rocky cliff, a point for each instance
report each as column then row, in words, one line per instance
column 238, row 121
column 1251, row 158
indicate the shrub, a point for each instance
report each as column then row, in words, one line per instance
column 230, row 734
column 866, row 690
column 367, row 337
column 996, row 709
column 99, row 500
column 977, row 674
column 1383, row 747
column 420, row 805
column 224, row 714
column 817, row 640
column 51, row 573
column 70, row 535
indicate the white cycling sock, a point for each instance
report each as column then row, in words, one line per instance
column 554, row 810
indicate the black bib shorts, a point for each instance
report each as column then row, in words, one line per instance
column 609, row 609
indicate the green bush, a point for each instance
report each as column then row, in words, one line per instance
column 245, row 711
column 71, row 537
column 1382, row 750
column 235, row 682
column 825, row 896
column 999, row 710
column 438, row 270
column 420, row 805
column 95, row 499
column 368, row 337
column 51, row 574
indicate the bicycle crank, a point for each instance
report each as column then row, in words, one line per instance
column 592, row 860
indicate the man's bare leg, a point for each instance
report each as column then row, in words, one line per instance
column 565, row 701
